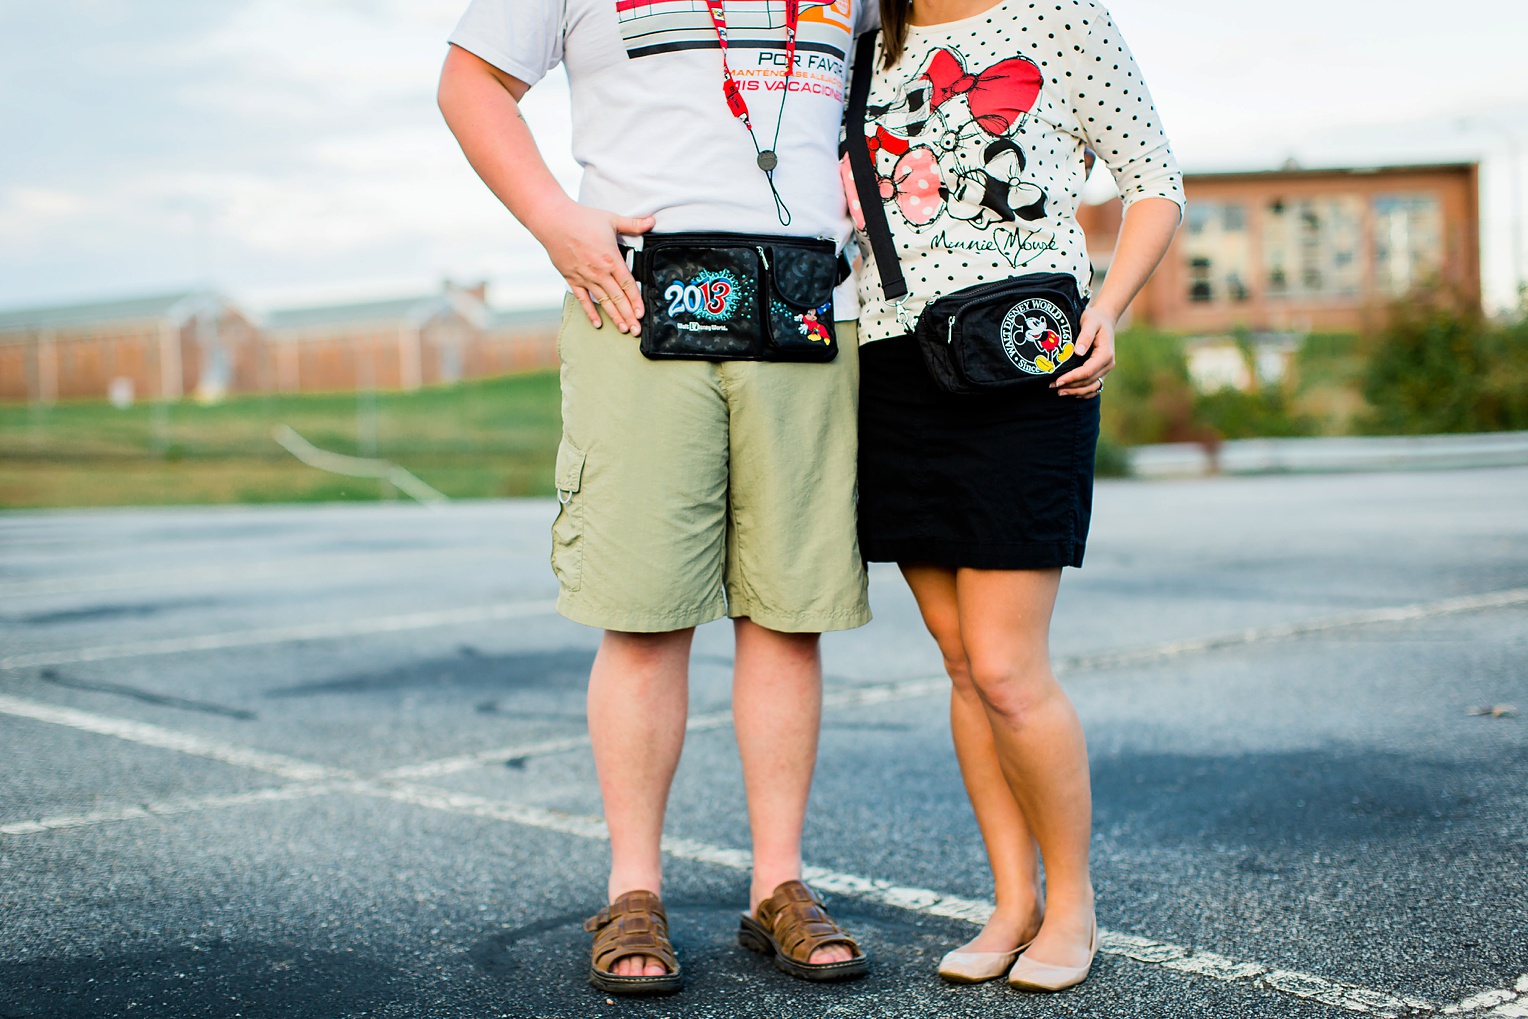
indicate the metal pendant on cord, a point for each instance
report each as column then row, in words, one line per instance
column 767, row 159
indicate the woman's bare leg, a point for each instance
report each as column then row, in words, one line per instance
column 1010, row 846
column 1005, row 629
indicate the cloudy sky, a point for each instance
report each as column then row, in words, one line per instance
column 290, row 150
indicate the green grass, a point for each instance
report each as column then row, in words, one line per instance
column 495, row 437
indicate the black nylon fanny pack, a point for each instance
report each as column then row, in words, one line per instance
column 1006, row 334
column 1003, row 335
column 738, row 297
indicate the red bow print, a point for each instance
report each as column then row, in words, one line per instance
column 884, row 141
column 998, row 96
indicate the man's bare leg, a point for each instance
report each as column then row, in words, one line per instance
column 638, row 702
column 777, row 714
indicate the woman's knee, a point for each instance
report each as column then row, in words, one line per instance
column 1015, row 690
column 956, row 665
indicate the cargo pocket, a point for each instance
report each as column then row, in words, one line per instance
column 568, row 529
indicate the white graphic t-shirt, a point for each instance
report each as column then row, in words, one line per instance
column 978, row 137
column 651, row 125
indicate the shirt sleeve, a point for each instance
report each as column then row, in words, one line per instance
column 1118, row 118
column 522, row 38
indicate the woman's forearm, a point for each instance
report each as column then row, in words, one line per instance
column 1144, row 237
column 481, row 106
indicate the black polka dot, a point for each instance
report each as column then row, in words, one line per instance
column 1091, row 70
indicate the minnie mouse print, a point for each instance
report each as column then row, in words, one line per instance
column 944, row 145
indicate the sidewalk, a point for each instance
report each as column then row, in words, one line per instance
column 1324, row 454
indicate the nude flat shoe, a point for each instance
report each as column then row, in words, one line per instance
column 1031, row 975
column 977, row 967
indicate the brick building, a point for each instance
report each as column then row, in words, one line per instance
column 165, row 347
column 406, row 342
column 201, row 344
column 1298, row 250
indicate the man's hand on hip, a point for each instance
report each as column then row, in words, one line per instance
column 481, row 103
column 584, row 245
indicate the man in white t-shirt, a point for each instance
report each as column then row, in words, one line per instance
column 691, row 489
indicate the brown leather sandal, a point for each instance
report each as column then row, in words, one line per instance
column 634, row 924
column 792, row 924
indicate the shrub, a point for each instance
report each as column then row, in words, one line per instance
column 1504, row 393
column 1112, row 460
column 1441, row 366
column 1263, row 413
column 1150, row 398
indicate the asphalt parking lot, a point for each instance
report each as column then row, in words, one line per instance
column 329, row 762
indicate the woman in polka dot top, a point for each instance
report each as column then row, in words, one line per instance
column 981, row 121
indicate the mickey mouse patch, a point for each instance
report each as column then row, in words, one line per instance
column 1037, row 336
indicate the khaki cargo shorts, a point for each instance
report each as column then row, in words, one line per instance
column 694, row 490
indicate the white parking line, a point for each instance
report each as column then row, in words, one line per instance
column 168, row 739
column 332, row 566
column 912, row 689
column 878, row 693
column 885, row 693
column 282, row 634
column 1284, row 631
column 1179, row 958
column 523, row 751
column 521, row 610
column 169, row 808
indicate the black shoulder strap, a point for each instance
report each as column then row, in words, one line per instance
column 865, row 184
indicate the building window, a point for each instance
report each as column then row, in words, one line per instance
column 1219, row 252
column 1408, row 242
column 1311, row 247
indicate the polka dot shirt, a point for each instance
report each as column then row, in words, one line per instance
column 978, row 136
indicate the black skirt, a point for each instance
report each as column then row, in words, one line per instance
column 998, row 481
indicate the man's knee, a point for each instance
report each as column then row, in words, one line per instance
column 646, row 650
column 799, row 643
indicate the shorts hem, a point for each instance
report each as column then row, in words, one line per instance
column 974, row 555
column 570, row 605
column 798, row 622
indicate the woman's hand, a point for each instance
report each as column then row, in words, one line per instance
column 1095, row 341
column 1143, row 239
column 583, row 244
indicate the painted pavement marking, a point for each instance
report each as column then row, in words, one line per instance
column 520, row 610
column 858, row 696
column 282, row 635
column 169, row 739
column 331, row 566
column 1284, row 631
column 911, row 689
column 322, row 779
column 170, row 808
column 524, row 751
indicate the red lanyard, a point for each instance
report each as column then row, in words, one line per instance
column 768, row 158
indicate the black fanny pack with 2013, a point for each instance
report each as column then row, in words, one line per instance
column 1007, row 334
column 738, row 297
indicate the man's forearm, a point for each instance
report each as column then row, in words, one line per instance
column 481, row 106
